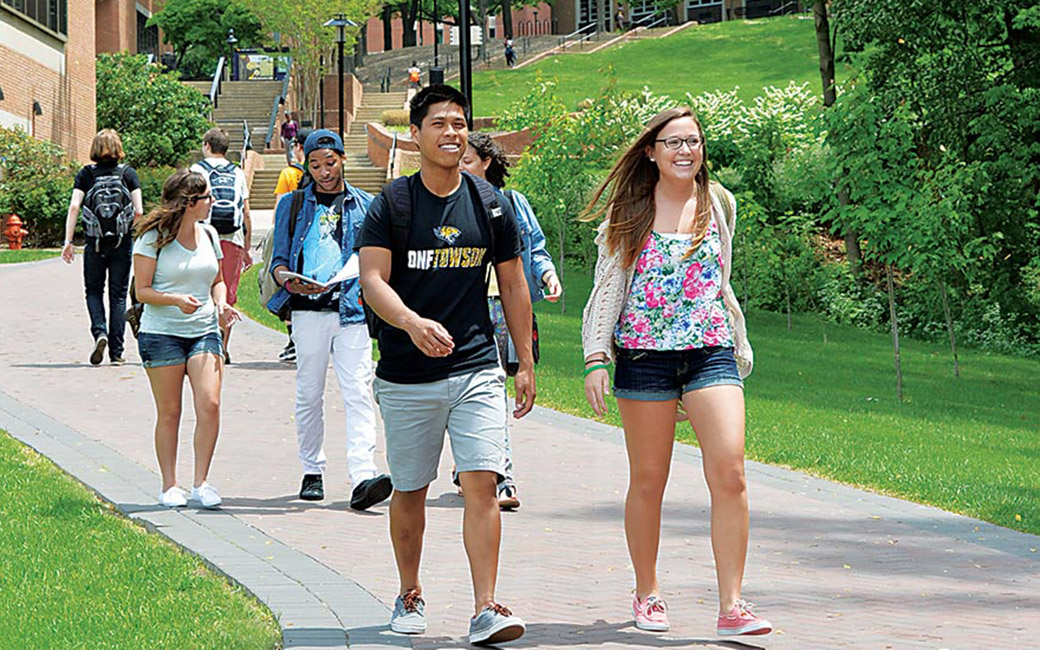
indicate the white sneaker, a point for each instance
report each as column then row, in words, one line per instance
column 206, row 494
column 173, row 498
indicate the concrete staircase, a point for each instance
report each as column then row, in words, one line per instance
column 372, row 106
column 250, row 101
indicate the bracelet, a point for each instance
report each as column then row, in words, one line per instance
column 601, row 360
column 590, row 369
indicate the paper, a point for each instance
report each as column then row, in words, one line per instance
column 350, row 270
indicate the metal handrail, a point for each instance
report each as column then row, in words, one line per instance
column 280, row 99
column 247, row 143
column 384, row 83
column 390, row 161
column 214, row 89
column 655, row 23
column 568, row 37
column 782, row 9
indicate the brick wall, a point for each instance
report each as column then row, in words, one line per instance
column 60, row 76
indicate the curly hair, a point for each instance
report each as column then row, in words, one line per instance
column 488, row 149
column 181, row 189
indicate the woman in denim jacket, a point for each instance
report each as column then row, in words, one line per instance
column 485, row 158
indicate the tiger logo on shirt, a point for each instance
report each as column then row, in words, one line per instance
column 447, row 234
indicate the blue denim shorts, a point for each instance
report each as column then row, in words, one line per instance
column 167, row 350
column 661, row 375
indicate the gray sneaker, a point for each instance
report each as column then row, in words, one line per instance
column 409, row 616
column 495, row 624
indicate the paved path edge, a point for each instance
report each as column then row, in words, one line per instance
column 315, row 606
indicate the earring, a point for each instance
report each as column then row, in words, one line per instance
column 652, row 159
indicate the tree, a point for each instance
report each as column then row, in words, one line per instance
column 198, row 31
column 160, row 120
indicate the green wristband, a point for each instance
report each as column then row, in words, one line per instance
column 595, row 367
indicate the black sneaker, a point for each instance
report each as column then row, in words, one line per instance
column 98, row 354
column 313, row 488
column 370, row 492
column 118, row 360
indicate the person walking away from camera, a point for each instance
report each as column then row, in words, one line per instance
column 177, row 277
column 663, row 306
column 426, row 247
column 289, row 180
column 414, row 76
column 485, row 158
column 510, row 53
column 323, row 219
column 108, row 195
column 288, row 131
column 229, row 215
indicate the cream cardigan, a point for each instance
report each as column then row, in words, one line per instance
column 613, row 283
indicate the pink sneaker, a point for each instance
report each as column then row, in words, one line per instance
column 741, row 620
column 651, row 614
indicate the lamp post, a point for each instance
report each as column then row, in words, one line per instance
column 465, row 62
column 231, row 40
column 536, row 21
column 436, row 35
column 341, row 22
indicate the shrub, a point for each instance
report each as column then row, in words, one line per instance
column 159, row 119
column 395, row 117
column 152, row 179
column 35, row 184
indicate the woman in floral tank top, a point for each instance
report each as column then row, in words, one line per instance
column 675, row 331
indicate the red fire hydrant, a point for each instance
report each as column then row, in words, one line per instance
column 14, row 232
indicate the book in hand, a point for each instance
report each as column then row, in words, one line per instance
column 350, row 270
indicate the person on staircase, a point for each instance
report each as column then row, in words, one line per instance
column 228, row 214
column 290, row 129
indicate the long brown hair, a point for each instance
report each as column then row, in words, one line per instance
column 179, row 190
column 630, row 201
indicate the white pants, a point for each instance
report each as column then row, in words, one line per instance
column 318, row 336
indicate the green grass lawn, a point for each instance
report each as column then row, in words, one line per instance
column 967, row 445
column 749, row 54
column 75, row 575
column 8, row 256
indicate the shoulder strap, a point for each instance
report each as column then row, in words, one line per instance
column 719, row 193
column 205, row 165
column 398, row 196
column 294, row 211
column 488, row 201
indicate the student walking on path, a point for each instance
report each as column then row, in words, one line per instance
column 177, row 277
column 663, row 306
column 314, row 231
column 108, row 193
column 228, row 215
column 426, row 246
column 289, row 131
column 485, row 158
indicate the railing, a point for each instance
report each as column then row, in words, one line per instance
column 214, row 89
column 247, row 143
column 783, row 9
column 384, row 83
column 649, row 23
column 391, row 160
column 579, row 33
column 278, row 101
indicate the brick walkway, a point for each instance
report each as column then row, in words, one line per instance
column 830, row 565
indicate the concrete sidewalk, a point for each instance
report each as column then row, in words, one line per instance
column 831, row 566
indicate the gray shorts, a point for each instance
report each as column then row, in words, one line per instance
column 471, row 407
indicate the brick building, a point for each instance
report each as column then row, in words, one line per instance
column 121, row 25
column 47, row 71
column 382, row 36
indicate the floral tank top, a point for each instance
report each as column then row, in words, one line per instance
column 676, row 303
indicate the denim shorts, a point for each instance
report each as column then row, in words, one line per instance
column 661, row 375
column 167, row 350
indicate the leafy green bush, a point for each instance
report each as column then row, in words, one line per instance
column 152, row 179
column 159, row 119
column 35, row 184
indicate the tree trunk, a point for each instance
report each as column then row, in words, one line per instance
column 601, row 22
column 482, row 7
column 852, row 250
column 895, row 330
column 507, row 18
column 409, row 12
column 388, row 28
column 949, row 327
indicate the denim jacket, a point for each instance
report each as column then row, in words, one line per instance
column 286, row 253
column 537, row 261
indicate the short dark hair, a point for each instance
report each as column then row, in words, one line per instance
column 301, row 136
column 217, row 140
column 486, row 147
column 434, row 94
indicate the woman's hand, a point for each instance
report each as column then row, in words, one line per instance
column 67, row 253
column 597, row 387
column 553, row 288
column 188, row 304
column 227, row 314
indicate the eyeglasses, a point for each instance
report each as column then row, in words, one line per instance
column 675, row 142
column 201, row 197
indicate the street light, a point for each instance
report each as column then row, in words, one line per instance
column 341, row 22
column 231, row 40
column 465, row 55
column 536, row 21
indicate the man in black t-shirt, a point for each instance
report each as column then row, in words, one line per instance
column 438, row 368
column 105, row 257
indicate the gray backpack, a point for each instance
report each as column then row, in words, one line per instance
column 108, row 210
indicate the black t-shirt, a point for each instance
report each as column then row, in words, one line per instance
column 85, row 179
column 442, row 276
column 332, row 205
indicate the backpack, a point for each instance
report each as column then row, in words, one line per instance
column 268, row 287
column 398, row 196
column 108, row 209
column 226, row 213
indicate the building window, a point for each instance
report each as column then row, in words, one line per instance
column 52, row 14
column 147, row 37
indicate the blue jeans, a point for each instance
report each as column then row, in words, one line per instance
column 115, row 264
column 662, row 375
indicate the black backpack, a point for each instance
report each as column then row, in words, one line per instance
column 108, row 210
column 398, row 196
column 226, row 213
